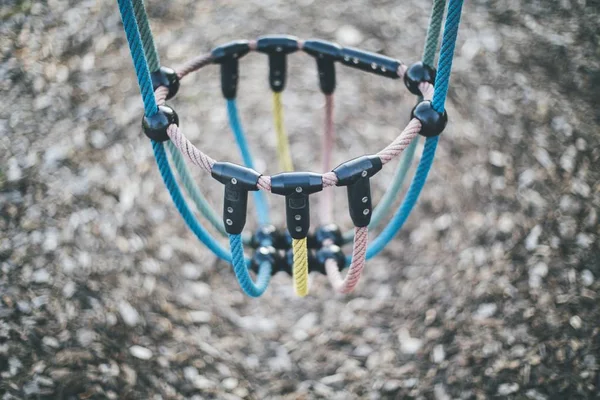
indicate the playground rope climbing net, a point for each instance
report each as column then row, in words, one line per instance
column 298, row 252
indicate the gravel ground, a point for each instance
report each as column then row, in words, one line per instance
column 490, row 291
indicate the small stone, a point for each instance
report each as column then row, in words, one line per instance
column 229, row 383
column 333, row 379
column 497, row 159
column 85, row 337
column 409, row 345
column 439, row 392
column 485, row 311
column 24, row 307
column 41, row 276
column 14, row 171
column 535, row 395
column 507, row 388
column 391, row 385
column 129, row 374
column 438, row 354
column 190, row 373
column 200, row 317
column 69, row 289
column 31, row 388
column 203, row 383
column 140, row 352
column 50, row 342
column 129, row 314
column 587, row 277
column 575, row 322
column 531, row 242
column 191, row 271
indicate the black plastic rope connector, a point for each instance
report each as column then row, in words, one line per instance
column 432, row 122
column 166, row 77
column 236, row 49
column 370, row 62
column 155, row 126
column 268, row 235
column 416, row 74
column 331, row 251
column 271, row 255
column 277, row 47
column 355, row 175
column 227, row 56
column 326, row 54
column 238, row 181
column 296, row 187
column 326, row 233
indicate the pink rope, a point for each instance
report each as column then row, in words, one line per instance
column 402, row 70
column 194, row 65
column 359, row 253
column 426, row 89
column 189, row 150
column 160, row 94
column 326, row 209
column 401, row 142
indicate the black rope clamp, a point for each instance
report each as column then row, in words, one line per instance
column 166, row 77
column 326, row 54
column 277, row 47
column 156, row 126
column 416, row 74
column 355, row 175
column 296, row 187
column 238, row 181
column 370, row 62
column 227, row 56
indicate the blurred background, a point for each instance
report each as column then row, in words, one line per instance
column 491, row 290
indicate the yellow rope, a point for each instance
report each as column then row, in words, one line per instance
column 283, row 146
column 300, row 270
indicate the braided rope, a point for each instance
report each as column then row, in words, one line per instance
column 447, row 54
column 188, row 149
column 137, row 55
column 197, row 157
column 300, row 267
column 433, row 31
column 262, row 207
column 146, row 35
column 359, row 252
column 193, row 190
column 438, row 102
column 283, row 146
column 194, row 65
column 240, row 268
column 326, row 206
column 181, row 205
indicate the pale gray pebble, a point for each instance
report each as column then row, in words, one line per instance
column 140, row 352
column 504, row 389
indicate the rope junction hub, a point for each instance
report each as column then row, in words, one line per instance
column 297, row 252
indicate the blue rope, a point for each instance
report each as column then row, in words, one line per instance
column 241, row 270
column 262, row 207
column 191, row 221
column 137, row 54
column 439, row 101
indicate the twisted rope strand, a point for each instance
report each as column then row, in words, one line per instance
column 401, row 142
column 359, row 252
column 326, row 206
column 193, row 65
column 240, row 268
column 146, row 35
column 137, row 54
column 300, row 267
column 283, row 145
